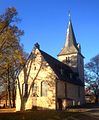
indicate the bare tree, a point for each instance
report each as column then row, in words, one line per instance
column 25, row 92
column 92, row 75
column 12, row 55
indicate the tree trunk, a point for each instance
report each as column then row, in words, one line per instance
column 9, row 89
column 6, row 97
column 13, row 96
column 9, row 96
column 23, row 102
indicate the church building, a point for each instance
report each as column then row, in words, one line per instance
column 49, row 83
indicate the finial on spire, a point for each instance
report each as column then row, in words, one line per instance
column 69, row 15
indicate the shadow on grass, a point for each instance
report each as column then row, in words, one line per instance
column 51, row 114
column 45, row 115
column 35, row 115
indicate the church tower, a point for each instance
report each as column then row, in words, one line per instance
column 71, row 53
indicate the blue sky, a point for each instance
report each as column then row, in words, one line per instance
column 45, row 21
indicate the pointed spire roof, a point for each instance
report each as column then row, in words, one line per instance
column 71, row 46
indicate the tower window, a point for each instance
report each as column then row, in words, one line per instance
column 67, row 59
column 80, row 61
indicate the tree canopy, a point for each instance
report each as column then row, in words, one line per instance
column 12, row 55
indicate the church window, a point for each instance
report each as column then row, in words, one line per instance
column 44, row 88
column 61, row 71
column 70, row 75
column 35, row 68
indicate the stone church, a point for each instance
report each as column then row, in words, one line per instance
column 49, row 83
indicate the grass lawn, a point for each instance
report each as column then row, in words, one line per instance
column 45, row 115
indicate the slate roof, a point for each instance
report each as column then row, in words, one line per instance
column 71, row 46
column 62, row 71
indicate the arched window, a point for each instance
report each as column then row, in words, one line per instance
column 44, row 88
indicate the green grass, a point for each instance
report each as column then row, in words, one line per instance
column 44, row 115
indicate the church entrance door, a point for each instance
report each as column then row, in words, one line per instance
column 59, row 104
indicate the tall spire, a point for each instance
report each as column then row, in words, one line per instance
column 70, row 37
column 70, row 42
